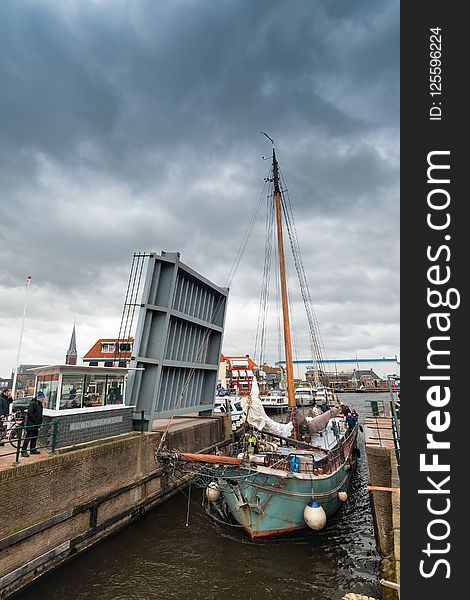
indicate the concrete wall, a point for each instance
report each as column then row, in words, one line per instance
column 63, row 504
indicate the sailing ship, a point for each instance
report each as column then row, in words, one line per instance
column 279, row 477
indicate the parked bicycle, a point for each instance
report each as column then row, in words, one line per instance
column 12, row 428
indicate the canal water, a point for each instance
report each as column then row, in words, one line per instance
column 160, row 557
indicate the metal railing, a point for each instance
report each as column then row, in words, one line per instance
column 379, row 409
column 395, row 425
column 396, row 441
column 13, row 435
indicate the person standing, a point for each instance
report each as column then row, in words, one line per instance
column 351, row 421
column 33, row 423
column 5, row 399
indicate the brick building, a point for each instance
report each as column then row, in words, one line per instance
column 25, row 380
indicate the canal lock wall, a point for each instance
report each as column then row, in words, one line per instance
column 59, row 506
column 383, row 471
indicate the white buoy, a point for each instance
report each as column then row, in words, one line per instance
column 343, row 496
column 212, row 492
column 314, row 515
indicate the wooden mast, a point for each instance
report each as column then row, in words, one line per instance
column 285, row 301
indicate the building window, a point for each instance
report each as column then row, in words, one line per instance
column 95, row 390
column 48, row 385
column 71, row 395
column 125, row 347
column 108, row 363
column 114, row 389
column 91, row 390
column 107, row 347
column 93, row 363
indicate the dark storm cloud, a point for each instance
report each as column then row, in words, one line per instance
column 135, row 126
column 153, row 74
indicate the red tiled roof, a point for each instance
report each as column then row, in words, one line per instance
column 229, row 359
column 95, row 351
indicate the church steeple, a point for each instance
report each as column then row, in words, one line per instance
column 71, row 356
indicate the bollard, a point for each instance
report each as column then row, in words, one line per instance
column 54, row 436
column 18, row 447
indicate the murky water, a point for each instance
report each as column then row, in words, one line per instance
column 159, row 557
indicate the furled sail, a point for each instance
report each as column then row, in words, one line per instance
column 256, row 416
column 319, row 423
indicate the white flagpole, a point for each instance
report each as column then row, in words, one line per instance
column 17, row 364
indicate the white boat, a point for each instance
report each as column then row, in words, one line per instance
column 323, row 395
column 275, row 400
column 304, row 396
column 231, row 404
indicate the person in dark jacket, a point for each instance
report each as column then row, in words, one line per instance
column 33, row 423
column 5, row 399
column 351, row 421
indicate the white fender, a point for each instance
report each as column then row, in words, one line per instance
column 314, row 515
column 212, row 492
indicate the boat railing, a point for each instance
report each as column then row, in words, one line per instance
column 305, row 463
column 308, row 462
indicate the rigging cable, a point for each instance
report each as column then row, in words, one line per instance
column 205, row 339
column 130, row 302
column 316, row 339
column 260, row 337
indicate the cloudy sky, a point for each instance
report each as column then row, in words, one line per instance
column 133, row 126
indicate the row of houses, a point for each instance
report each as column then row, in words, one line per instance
column 357, row 379
column 235, row 373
